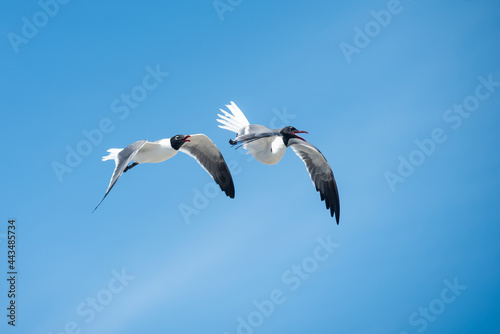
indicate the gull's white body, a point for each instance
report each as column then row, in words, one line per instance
column 269, row 150
column 152, row 152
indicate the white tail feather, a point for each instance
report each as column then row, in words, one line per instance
column 233, row 122
column 113, row 154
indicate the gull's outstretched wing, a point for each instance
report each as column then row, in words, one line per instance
column 254, row 132
column 209, row 157
column 122, row 160
column 320, row 172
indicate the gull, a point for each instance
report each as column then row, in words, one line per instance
column 269, row 145
column 198, row 146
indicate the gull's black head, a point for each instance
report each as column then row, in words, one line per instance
column 177, row 141
column 290, row 132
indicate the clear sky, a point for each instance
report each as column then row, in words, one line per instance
column 402, row 97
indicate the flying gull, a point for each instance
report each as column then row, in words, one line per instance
column 197, row 146
column 269, row 145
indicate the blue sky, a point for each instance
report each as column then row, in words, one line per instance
column 401, row 97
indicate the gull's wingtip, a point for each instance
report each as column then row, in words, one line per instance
column 96, row 207
column 100, row 202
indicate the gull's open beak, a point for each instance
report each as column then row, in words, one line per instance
column 298, row 131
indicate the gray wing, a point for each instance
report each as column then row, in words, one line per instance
column 320, row 172
column 255, row 128
column 209, row 157
column 254, row 132
column 124, row 158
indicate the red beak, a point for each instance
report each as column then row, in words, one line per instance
column 295, row 133
column 186, row 138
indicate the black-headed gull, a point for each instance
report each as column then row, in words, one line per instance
column 269, row 145
column 198, row 146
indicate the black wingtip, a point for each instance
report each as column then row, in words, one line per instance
column 229, row 190
column 225, row 181
column 99, row 203
column 331, row 198
column 106, row 194
column 335, row 210
column 233, row 142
